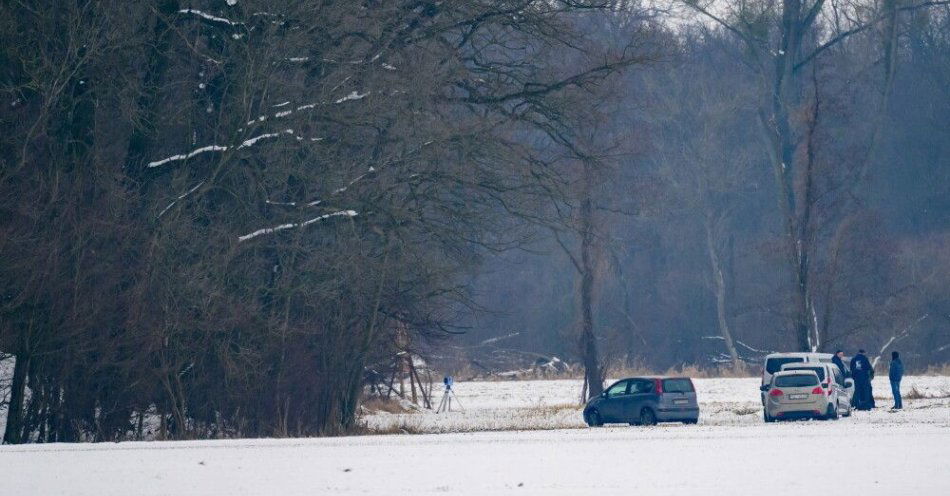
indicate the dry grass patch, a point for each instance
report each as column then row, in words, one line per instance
column 747, row 410
column 687, row 370
column 938, row 370
column 916, row 394
column 376, row 404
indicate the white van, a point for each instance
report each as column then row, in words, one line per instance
column 773, row 363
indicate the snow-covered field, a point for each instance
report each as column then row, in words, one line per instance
column 730, row 452
column 554, row 404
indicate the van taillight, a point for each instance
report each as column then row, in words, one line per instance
column 659, row 386
column 776, row 392
column 818, row 390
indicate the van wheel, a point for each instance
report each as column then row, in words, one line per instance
column 593, row 419
column 647, row 417
column 691, row 421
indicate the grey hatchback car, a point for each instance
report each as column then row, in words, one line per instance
column 644, row 401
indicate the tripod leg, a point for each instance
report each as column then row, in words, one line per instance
column 457, row 401
column 442, row 404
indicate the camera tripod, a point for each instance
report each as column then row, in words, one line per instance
column 446, row 404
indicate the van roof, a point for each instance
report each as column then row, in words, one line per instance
column 797, row 354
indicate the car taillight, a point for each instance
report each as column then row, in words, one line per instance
column 659, row 386
column 817, row 390
column 776, row 392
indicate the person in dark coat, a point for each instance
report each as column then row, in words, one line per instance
column 838, row 360
column 895, row 374
column 862, row 372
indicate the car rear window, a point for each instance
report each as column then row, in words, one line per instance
column 818, row 370
column 797, row 380
column 773, row 365
column 677, row 386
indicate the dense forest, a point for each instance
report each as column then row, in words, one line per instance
column 695, row 219
column 224, row 218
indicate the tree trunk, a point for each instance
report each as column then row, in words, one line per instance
column 783, row 147
column 593, row 372
column 719, row 288
column 21, row 369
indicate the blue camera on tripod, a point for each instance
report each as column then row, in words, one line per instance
column 446, row 404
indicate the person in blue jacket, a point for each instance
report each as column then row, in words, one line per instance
column 895, row 374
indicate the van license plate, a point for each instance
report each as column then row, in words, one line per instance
column 680, row 402
column 797, row 396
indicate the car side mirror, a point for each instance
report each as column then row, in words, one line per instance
column 764, row 387
column 603, row 395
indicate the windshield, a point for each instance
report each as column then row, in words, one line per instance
column 818, row 370
column 773, row 365
column 797, row 380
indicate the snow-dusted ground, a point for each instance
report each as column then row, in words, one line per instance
column 555, row 405
column 876, row 452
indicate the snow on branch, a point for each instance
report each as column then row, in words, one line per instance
column 740, row 343
column 209, row 17
column 292, row 225
column 354, row 95
column 216, row 148
column 498, row 338
column 183, row 195
column 209, row 148
column 354, row 181
column 897, row 337
column 314, row 203
column 252, row 141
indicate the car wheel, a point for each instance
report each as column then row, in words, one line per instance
column 691, row 421
column 847, row 413
column 647, row 417
column 766, row 417
column 593, row 419
column 832, row 413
